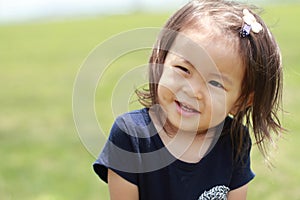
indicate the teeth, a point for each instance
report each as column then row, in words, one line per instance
column 187, row 108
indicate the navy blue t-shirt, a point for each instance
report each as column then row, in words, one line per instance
column 135, row 151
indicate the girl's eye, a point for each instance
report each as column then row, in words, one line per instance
column 216, row 84
column 185, row 70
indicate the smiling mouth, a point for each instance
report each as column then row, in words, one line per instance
column 186, row 108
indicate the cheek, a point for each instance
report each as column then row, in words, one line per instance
column 222, row 105
column 167, row 77
column 168, row 85
column 218, row 105
column 164, row 93
column 171, row 78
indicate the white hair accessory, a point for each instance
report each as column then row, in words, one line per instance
column 250, row 23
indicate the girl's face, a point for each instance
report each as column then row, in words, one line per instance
column 197, row 91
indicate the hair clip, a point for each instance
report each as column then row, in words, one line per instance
column 250, row 23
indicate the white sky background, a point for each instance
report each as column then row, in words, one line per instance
column 22, row 10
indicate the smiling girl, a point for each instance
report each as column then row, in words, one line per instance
column 215, row 65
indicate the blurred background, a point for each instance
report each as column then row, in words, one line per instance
column 42, row 46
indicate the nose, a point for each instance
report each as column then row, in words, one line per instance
column 196, row 89
column 199, row 95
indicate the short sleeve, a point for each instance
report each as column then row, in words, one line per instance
column 242, row 173
column 115, row 154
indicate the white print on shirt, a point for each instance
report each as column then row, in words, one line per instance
column 216, row 193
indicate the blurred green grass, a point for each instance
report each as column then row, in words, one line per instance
column 42, row 155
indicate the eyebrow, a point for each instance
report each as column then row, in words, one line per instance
column 184, row 61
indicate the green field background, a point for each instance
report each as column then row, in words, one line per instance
column 42, row 157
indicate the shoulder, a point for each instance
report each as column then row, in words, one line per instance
column 134, row 131
column 135, row 123
column 128, row 139
column 237, row 134
column 135, row 118
column 240, row 145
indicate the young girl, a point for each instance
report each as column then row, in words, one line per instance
column 214, row 71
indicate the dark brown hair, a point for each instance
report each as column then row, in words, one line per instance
column 260, row 54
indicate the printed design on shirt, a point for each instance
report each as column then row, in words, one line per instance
column 216, row 193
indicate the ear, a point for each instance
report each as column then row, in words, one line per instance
column 237, row 106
